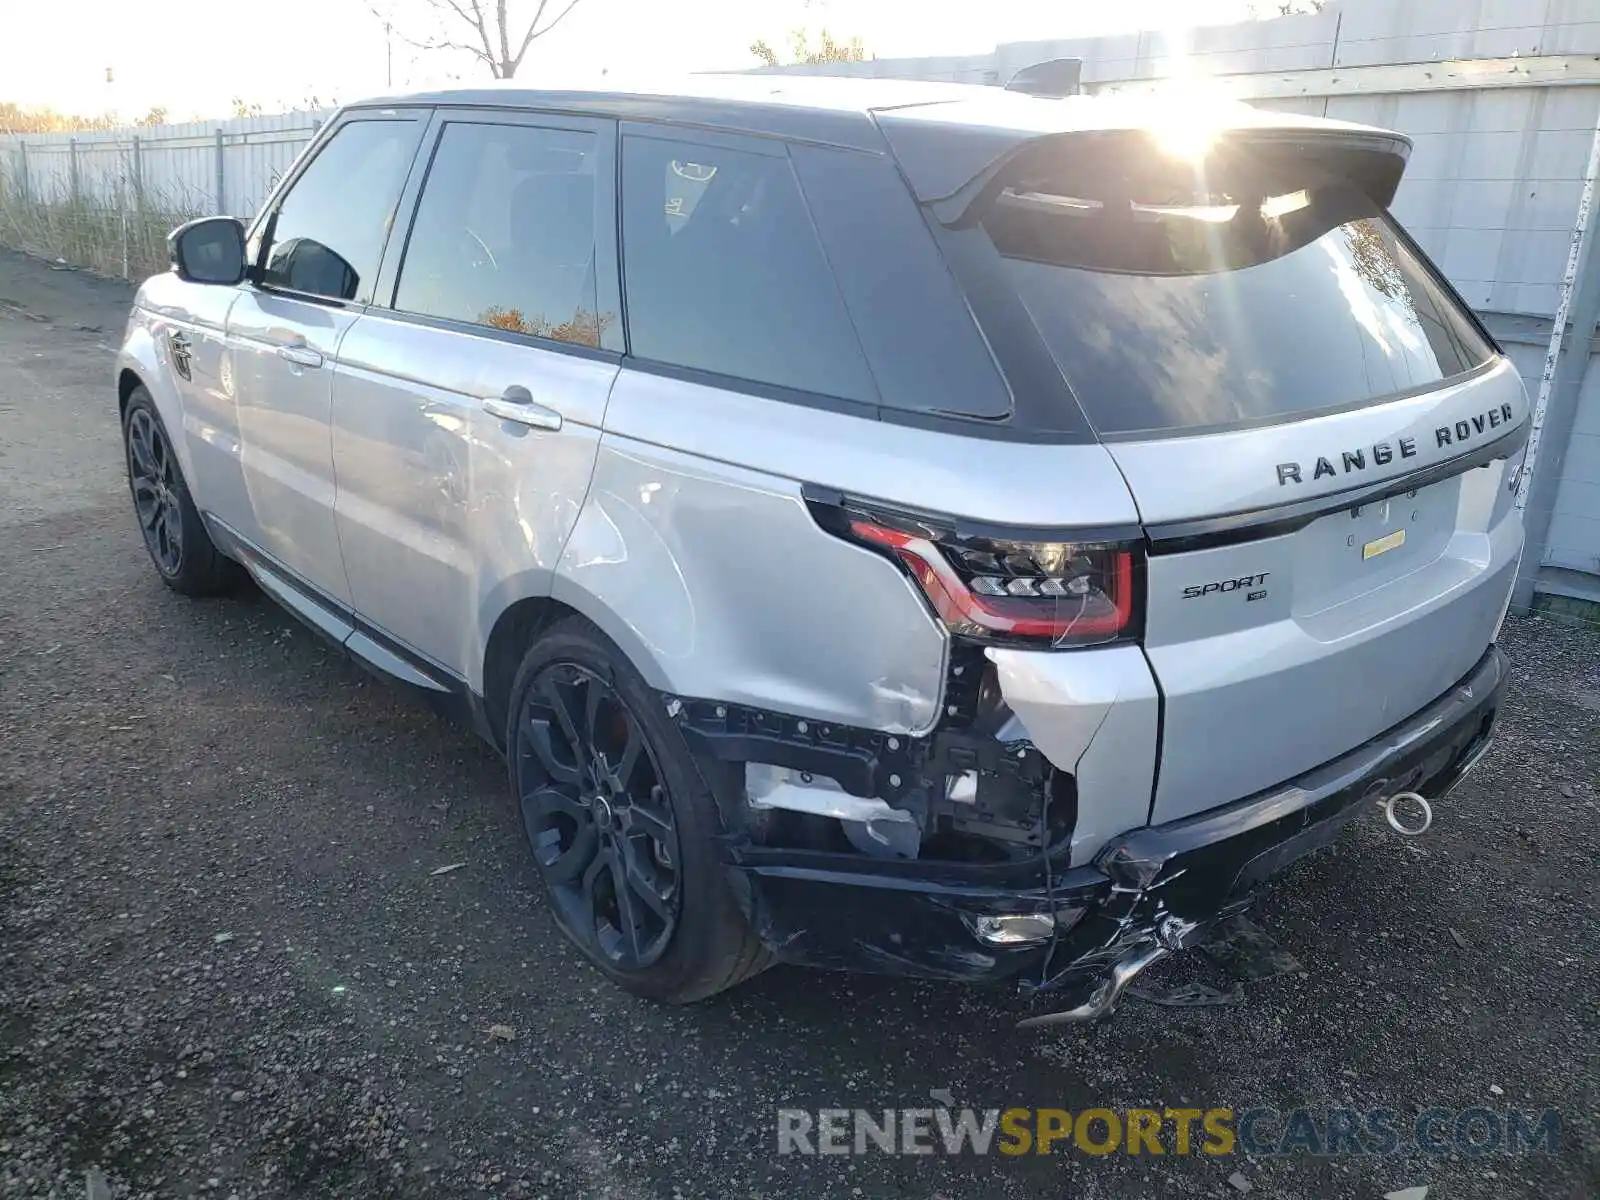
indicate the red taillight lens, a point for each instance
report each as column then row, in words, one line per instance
column 997, row 589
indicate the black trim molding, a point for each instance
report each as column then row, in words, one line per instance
column 330, row 618
column 1179, row 537
column 829, row 499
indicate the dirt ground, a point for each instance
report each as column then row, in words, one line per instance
column 227, row 970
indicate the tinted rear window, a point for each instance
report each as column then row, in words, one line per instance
column 922, row 346
column 1258, row 288
column 724, row 272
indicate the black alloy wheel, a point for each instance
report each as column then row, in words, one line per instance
column 597, row 816
column 174, row 533
column 152, row 472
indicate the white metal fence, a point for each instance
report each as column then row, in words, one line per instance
column 107, row 199
column 203, row 167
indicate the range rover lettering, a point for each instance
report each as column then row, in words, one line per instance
column 863, row 514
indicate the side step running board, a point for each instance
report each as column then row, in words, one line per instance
column 327, row 618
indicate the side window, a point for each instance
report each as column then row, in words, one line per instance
column 330, row 228
column 724, row 272
column 504, row 233
column 922, row 344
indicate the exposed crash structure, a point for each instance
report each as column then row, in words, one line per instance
column 861, row 850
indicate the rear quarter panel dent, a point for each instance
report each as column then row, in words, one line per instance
column 721, row 585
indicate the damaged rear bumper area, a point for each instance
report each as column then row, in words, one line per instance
column 1087, row 930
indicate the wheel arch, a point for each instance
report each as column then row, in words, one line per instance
column 522, row 621
column 139, row 365
column 127, row 380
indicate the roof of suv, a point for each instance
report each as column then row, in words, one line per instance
column 686, row 97
column 775, row 104
column 942, row 133
column 820, row 109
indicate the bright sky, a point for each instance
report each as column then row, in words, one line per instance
column 194, row 56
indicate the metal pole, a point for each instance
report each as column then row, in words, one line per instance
column 1561, row 378
column 27, row 187
column 138, row 174
column 122, row 204
column 222, row 202
column 1562, row 415
column 72, row 169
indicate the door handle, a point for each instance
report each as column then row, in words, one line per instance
column 516, row 404
column 303, row 356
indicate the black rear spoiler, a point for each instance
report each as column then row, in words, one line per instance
column 1374, row 161
column 954, row 147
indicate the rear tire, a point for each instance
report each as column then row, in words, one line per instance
column 174, row 534
column 621, row 822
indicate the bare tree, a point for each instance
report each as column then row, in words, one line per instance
column 496, row 33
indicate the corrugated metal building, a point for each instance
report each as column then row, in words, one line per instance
column 1501, row 99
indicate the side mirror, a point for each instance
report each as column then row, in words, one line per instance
column 209, row 250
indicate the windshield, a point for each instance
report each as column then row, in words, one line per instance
column 1176, row 297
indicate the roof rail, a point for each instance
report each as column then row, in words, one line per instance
column 1053, row 77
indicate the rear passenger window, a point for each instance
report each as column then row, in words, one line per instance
column 724, row 272
column 922, row 345
column 330, row 228
column 504, row 233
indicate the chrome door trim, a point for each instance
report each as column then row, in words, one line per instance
column 303, row 356
column 523, row 412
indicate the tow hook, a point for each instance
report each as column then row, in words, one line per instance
column 1414, row 802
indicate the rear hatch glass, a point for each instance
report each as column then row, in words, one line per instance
column 1256, row 287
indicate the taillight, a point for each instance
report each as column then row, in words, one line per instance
column 999, row 589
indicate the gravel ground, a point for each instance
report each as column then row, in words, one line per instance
column 227, row 970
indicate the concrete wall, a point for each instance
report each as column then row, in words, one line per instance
column 1570, row 559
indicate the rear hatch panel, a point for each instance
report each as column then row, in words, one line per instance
column 1321, row 440
column 1280, row 638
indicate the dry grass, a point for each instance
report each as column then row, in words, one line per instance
column 125, row 240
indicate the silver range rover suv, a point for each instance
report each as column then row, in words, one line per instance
column 908, row 528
